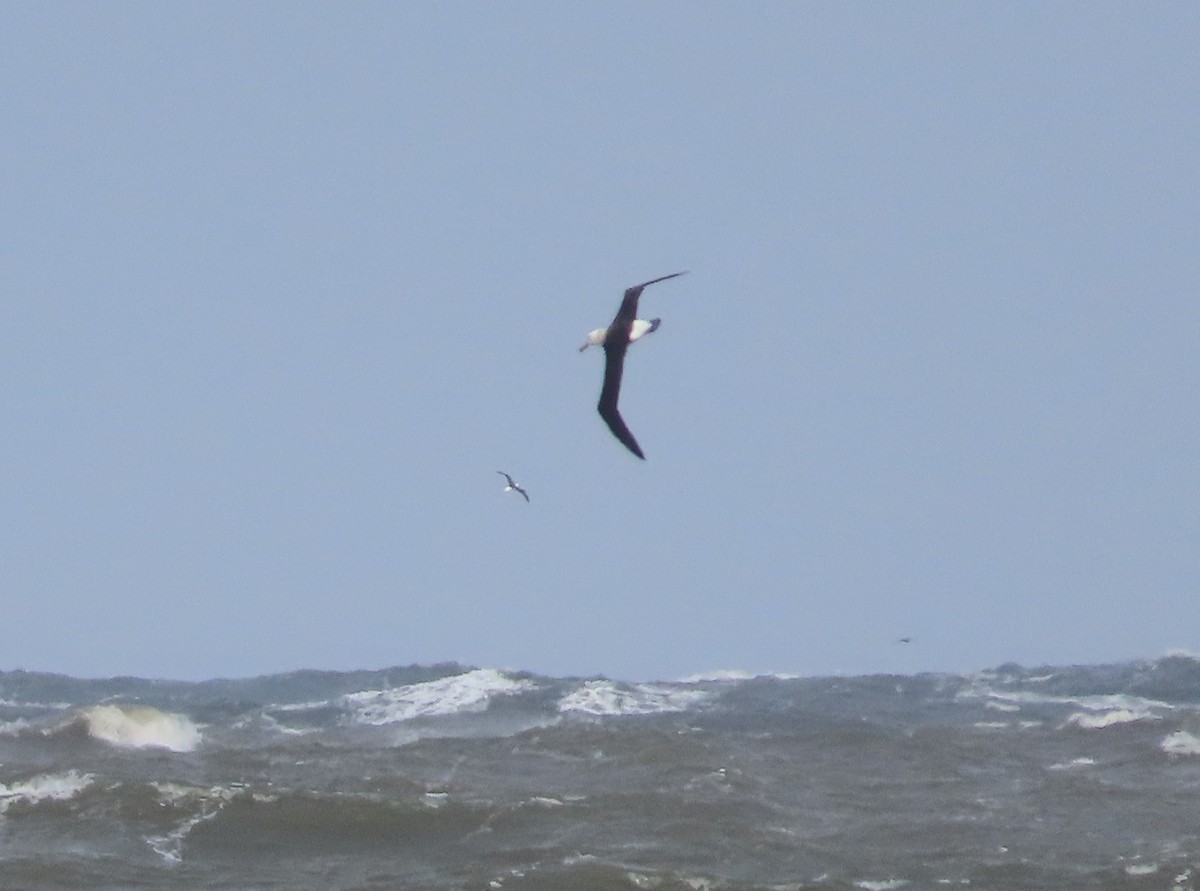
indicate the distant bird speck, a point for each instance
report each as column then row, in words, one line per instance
column 512, row 486
column 626, row 328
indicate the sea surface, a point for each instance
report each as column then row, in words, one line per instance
column 450, row 777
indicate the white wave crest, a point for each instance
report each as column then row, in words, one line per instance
column 44, row 787
column 1141, row 869
column 14, row 728
column 140, row 727
column 208, row 801
column 721, row 675
column 1002, row 706
column 726, row 675
column 469, row 692
column 1074, row 764
column 607, row 698
column 1180, row 743
column 1182, row 654
column 1095, row 721
column 1102, row 710
column 45, row 706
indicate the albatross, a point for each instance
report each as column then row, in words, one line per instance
column 512, row 486
column 626, row 328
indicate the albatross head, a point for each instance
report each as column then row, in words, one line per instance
column 595, row 338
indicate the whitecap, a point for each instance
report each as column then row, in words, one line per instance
column 1094, row 721
column 724, row 674
column 301, row 706
column 469, row 692
column 1073, row 763
column 1182, row 654
column 1141, row 869
column 14, row 728
column 647, row 881
column 170, row 846
column 1180, row 743
column 140, row 727
column 542, row 801
column 268, row 723
column 1102, row 710
column 44, row 706
column 44, row 787
column 209, row 803
column 885, row 885
column 607, row 698
column 1002, row 706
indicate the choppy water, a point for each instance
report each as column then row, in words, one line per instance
column 446, row 777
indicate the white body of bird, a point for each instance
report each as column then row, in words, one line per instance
column 639, row 329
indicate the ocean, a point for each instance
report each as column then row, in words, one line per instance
column 451, row 777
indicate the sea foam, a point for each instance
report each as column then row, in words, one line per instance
column 728, row 675
column 210, row 802
column 14, row 728
column 1097, row 711
column 607, row 698
column 720, row 675
column 140, row 727
column 1180, row 743
column 44, row 787
column 1095, row 721
column 469, row 692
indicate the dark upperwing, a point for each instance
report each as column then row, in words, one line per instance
column 616, row 341
column 614, row 363
column 629, row 303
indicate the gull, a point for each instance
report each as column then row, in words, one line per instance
column 626, row 327
column 512, row 486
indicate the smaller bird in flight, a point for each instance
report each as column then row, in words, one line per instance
column 512, row 486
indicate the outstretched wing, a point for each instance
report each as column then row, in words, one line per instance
column 629, row 303
column 616, row 341
column 614, row 364
column 626, row 313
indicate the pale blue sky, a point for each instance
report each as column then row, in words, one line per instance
column 284, row 285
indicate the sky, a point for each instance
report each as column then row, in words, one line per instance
column 283, row 285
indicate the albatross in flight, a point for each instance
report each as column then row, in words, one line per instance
column 626, row 327
column 512, row 486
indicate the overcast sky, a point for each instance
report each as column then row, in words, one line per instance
column 285, row 284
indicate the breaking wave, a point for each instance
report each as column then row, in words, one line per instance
column 1181, row 743
column 44, row 787
column 451, row 777
column 609, row 699
column 469, row 692
column 140, row 727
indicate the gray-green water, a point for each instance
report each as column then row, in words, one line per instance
column 445, row 777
